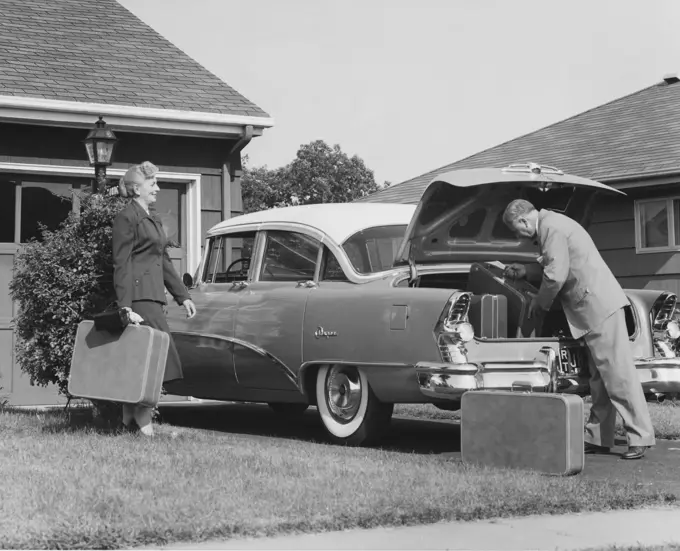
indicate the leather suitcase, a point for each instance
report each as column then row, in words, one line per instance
column 117, row 366
column 489, row 316
column 488, row 279
column 538, row 431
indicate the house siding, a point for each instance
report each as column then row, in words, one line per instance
column 613, row 231
column 32, row 144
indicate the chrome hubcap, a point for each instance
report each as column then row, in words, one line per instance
column 343, row 393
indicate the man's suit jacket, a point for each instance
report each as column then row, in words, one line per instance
column 141, row 265
column 574, row 272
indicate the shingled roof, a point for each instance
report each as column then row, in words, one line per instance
column 637, row 136
column 96, row 51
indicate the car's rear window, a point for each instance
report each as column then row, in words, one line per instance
column 374, row 249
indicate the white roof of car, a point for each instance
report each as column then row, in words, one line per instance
column 337, row 220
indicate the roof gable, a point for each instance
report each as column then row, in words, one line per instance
column 96, row 51
column 634, row 136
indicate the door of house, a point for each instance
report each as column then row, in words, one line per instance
column 25, row 202
column 171, row 208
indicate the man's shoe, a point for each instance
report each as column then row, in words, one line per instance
column 634, row 452
column 593, row 449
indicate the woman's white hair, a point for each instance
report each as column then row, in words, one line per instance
column 135, row 175
column 517, row 209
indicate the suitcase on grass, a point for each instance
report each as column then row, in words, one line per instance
column 488, row 279
column 119, row 366
column 488, row 314
column 524, row 430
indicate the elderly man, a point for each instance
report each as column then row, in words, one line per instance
column 593, row 302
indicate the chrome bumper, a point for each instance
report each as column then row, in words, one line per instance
column 450, row 381
column 659, row 375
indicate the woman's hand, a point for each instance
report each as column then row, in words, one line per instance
column 133, row 317
column 190, row 307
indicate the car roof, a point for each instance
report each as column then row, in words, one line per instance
column 337, row 220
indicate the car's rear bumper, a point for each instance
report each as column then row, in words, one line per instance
column 659, row 375
column 450, row 381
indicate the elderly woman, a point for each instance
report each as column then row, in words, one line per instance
column 141, row 271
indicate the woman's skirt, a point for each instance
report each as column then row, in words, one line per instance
column 153, row 315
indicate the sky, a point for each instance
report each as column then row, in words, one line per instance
column 410, row 86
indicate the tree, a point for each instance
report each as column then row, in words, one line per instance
column 318, row 174
column 263, row 188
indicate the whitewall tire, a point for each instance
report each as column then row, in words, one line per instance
column 349, row 410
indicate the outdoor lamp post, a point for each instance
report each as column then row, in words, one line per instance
column 99, row 144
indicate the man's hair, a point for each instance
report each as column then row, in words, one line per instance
column 517, row 208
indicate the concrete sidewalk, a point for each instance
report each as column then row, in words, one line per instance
column 574, row 531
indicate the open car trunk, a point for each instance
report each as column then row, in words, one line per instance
column 460, row 215
column 459, row 222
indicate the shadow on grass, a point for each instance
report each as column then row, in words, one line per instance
column 419, row 436
column 77, row 419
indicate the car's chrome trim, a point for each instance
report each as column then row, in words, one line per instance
column 258, row 350
column 451, row 381
column 659, row 375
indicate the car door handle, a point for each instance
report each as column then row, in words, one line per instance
column 307, row 284
column 239, row 285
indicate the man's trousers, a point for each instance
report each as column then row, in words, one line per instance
column 615, row 386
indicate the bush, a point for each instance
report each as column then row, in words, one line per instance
column 60, row 281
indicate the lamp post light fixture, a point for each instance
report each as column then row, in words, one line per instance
column 99, row 144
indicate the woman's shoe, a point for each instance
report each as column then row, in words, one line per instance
column 146, row 430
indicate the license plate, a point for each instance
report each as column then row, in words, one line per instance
column 572, row 359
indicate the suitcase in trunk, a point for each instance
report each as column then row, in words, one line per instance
column 117, row 366
column 489, row 316
column 488, row 279
column 539, row 431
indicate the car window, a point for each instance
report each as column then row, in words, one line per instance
column 289, row 256
column 229, row 258
column 332, row 271
column 374, row 249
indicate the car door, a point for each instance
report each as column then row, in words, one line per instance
column 206, row 342
column 271, row 309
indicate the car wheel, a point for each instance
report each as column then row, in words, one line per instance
column 350, row 411
column 286, row 408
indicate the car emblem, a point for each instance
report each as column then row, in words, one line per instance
column 321, row 332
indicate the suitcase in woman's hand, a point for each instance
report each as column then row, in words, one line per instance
column 527, row 430
column 119, row 366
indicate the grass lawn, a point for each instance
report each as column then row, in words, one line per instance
column 665, row 416
column 68, row 485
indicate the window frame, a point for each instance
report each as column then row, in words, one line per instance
column 672, row 245
column 263, row 249
column 210, row 246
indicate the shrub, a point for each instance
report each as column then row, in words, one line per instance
column 60, row 281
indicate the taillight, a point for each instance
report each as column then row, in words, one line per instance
column 663, row 310
column 665, row 327
column 453, row 329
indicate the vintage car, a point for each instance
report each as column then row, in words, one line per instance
column 355, row 307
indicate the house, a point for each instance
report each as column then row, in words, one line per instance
column 64, row 63
column 633, row 144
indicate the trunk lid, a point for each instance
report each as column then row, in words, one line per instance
column 459, row 218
